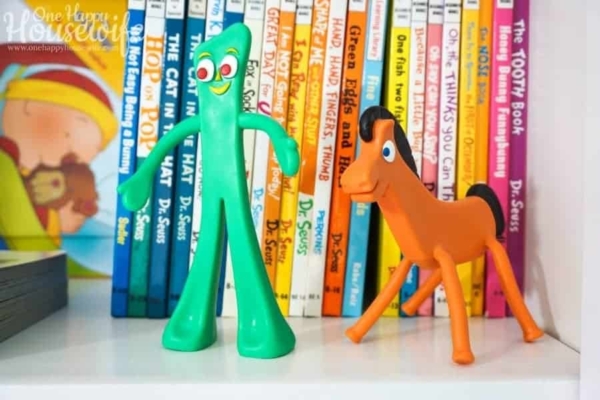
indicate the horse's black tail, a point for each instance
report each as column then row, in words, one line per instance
column 487, row 194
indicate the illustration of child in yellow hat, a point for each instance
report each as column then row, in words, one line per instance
column 55, row 118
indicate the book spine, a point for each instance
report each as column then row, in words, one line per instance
column 499, row 143
column 482, row 135
column 318, row 47
column 372, row 78
column 279, row 111
column 396, row 100
column 254, row 19
column 233, row 13
column 265, row 106
column 127, row 154
column 330, row 102
column 467, row 125
column 347, row 128
column 215, row 17
column 435, row 25
column 518, row 152
column 295, row 119
column 448, row 120
column 416, row 112
column 416, row 85
column 184, row 235
column 148, row 126
column 163, row 181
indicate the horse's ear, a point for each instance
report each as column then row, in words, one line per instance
column 384, row 126
column 368, row 118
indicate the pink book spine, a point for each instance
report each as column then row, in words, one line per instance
column 431, row 125
column 518, row 142
column 499, row 146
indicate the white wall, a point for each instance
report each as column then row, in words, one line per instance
column 590, row 326
column 555, row 165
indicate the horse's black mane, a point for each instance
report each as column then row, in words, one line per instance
column 368, row 118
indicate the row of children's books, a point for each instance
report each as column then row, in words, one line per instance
column 453, row 73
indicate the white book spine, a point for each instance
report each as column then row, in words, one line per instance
column 416, row 85
column 254, row 19
column 265, row 102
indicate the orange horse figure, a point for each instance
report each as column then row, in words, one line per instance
column 433, row 234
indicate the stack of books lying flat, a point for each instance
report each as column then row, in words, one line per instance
column 33, row 285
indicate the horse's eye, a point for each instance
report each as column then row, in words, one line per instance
column 388, row 151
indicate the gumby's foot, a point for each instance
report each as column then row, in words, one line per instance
column 183, row 334
column 260, row 340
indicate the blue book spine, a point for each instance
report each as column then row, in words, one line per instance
column 215, row 23
column 127, row 154
column 185, row 169
column 234, row 12
column 163, row 181
column 360, row 216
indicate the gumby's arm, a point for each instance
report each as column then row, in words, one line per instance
column 286, row 148
column 168, row 142
column 136, row 190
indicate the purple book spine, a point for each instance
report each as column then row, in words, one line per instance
column 518, row 153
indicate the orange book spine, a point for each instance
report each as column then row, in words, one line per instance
column 316, row 66
column 285, row 42
column 337, row 240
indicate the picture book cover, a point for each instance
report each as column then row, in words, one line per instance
column 61, row 77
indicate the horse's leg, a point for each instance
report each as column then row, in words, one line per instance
column 368, row 319
column 424, row 291
column 509, row 286
column 459, row 325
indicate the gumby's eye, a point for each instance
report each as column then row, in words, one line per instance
column 229, row 66
column 388, row 151
column 205, row 70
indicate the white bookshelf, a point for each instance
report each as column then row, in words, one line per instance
column 82, row 352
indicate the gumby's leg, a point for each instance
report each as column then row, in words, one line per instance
column 263, row 332
column 192, row 326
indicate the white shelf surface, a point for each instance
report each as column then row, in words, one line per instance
column 82, row 352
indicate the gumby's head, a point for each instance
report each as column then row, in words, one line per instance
column 220, row 63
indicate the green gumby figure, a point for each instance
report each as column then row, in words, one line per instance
column 263, row 332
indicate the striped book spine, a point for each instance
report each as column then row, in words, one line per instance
column 127, row 154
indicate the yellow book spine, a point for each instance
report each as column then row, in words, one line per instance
column 295, row 118
column 395, row 100
column 481, row 134
column 467, row 124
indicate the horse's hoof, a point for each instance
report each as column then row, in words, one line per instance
column 353, row 335
column 463, row 357
column 409, row 309
column 532, row 335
